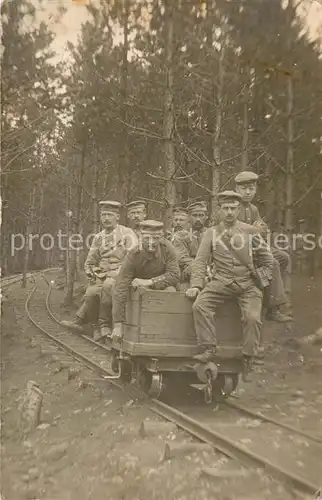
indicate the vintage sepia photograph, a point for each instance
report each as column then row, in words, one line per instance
column 161, row 250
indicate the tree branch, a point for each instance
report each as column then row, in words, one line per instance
column 307, row 191
column 142, row 131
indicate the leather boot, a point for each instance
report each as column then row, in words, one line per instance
column 77, row 325
column 278, row 316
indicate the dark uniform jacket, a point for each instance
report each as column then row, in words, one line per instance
column 187, row 244
column 226, row 266
column 249, row 214
column 162, row 266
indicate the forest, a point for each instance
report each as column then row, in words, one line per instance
column 165, row 100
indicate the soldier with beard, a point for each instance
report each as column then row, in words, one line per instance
column 136, row 213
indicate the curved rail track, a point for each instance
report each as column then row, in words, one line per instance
column 199, row 422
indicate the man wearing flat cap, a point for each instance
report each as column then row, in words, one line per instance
column 152, row 264
column 274, row 298
column 188, row 242
column 180, row 222
column 108, row 250
column 229, row 246
column 136, row 213
column 180, row 219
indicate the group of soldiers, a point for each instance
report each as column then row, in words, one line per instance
column 230, row 258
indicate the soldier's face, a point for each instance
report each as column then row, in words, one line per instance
column 247, row 191
column 135, row 216
column 198, row 219
column 109, row 219
column 150, row 241
column 228, row 212
column 180, row 221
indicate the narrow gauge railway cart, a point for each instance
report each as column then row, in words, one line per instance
column 159, row 343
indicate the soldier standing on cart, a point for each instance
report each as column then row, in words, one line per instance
column 230, row 247
column 108, row 250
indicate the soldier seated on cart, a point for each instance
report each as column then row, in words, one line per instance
column 153, row 264
column 108, row 250
column 230, row 246
column 274, row 297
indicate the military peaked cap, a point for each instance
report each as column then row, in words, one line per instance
column 179, row 210
column 227, row 196
column 136, row 204
column 154, row 226
column 114, row 206
column 197, row 206
column 246, row 177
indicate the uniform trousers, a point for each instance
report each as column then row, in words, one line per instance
column 97, row 303
column 106, row 305
column 216, row 293
column 274, row 295
column 284, row 260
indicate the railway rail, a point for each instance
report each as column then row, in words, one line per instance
column 201, row 423
column 10, row 280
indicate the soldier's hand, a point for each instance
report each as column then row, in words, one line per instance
column 141, row 282
column 192, row 293
column 91, row 277
column 261, row 226
column 117, row 333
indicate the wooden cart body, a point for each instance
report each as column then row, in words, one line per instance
column 159, row 325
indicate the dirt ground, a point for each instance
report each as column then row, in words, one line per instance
column 88, row 445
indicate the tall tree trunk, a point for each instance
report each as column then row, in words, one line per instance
column 74, row 251
column 319, row 249
column 168, row 116
column 244, row 157
column 289, row 180
column 4, row 230
column 69, row 231
column 106, row 182
column 216, row 147
column 95, row 212
column 215, row 112
column 289, row 157
column 29, row 228
column 124, row 170
column 41, row 259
